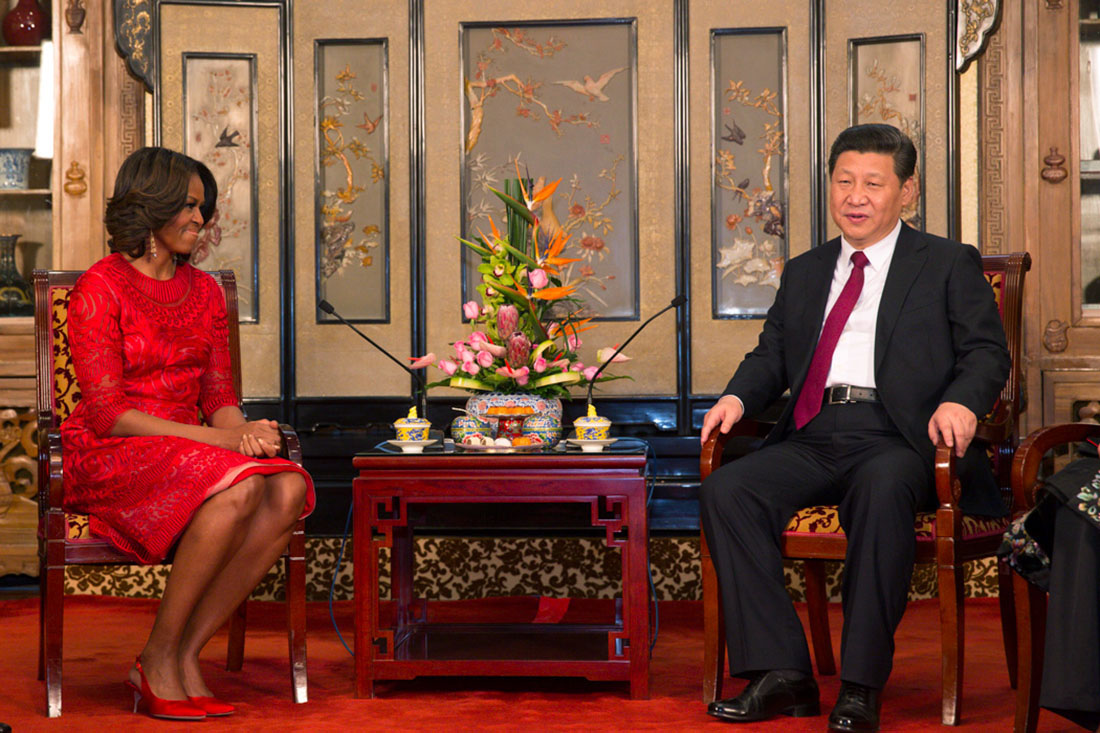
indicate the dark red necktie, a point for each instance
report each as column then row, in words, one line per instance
column 813, row 389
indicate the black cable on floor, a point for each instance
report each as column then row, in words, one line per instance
column 650, row 479
column 335, row 574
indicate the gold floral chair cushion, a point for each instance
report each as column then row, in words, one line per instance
column 817, row 520
column 78, row 526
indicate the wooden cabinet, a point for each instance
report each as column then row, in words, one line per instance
column 98, row 119
column 1040, row 159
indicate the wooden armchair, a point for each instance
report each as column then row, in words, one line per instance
column 63, row 538
column 1031, row 601
column 945, row 537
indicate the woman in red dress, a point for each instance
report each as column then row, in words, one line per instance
column 150, row 348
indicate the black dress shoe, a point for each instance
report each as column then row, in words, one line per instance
column 857, row 709
column 768, row 695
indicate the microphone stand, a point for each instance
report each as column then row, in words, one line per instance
column 422, row 398
column 676, row 302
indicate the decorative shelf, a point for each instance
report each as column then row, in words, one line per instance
column 24, row 192
column 19, row 53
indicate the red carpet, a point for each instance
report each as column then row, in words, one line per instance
column 103, row 634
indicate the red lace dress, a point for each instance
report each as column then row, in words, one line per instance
column 160, row 347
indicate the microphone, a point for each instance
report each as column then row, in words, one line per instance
column 423, row 398
column 678, row 301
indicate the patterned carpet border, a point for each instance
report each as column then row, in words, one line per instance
column 461, row 568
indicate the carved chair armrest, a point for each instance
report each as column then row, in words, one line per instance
column 51, row 494
column 998, row 427
column 1025, row 464
column 291, row 447
column 948, row 487
column 710, row 458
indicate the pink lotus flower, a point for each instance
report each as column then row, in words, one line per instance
column 538, row 278
column 507, row 320
column 448, row 367
column 540, row 365
column 605, row 353
column 422, row 361
column 471, row 309
column 520, row 375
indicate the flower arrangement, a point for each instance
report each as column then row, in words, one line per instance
column 526, row 330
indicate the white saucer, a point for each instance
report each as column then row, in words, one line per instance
column 591, row 446
column 411, row 446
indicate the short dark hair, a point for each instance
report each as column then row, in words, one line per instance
column 151, row 188
column 877, row 138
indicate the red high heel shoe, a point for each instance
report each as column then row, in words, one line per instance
column 160, row 708
column 212, row 706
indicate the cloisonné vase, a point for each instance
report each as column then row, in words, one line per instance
column 15, row 292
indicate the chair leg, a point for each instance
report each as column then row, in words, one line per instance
column 714, row 636
column 817, row 607
column 296, row 611
column 234, row 654
column 42, row 618
column 53, row 609
column 1031, row 616
column 1008, row 618
column 951, row 632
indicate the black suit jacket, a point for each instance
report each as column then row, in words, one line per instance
column 939, row 338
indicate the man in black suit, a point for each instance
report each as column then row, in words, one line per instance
column 889, row 340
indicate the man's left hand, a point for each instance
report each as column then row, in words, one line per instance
column 955, row 423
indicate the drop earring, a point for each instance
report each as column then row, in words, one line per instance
column 152, row 246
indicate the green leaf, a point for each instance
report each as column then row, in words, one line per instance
column 516, row 206
column 483, row 251
column 521, row 256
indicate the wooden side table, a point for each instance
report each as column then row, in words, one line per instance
column 611, row 484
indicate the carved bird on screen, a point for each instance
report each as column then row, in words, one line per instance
column 592, row 88
column 734, row 133
column 368, row 125
column 225, row 140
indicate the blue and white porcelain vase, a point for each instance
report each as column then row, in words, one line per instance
column 15, row 167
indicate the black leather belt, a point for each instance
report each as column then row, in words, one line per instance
column 842, row 394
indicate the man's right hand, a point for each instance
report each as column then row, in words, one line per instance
column 723, row 415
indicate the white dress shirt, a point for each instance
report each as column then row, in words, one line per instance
column 854, row 357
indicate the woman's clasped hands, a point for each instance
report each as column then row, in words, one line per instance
column 257, row 438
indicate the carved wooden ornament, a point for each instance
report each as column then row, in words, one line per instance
column 75, row 180
column 74, row 15
column 1054, row 167
column 1054, row 336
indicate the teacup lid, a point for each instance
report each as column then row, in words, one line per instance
column 411, row 419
